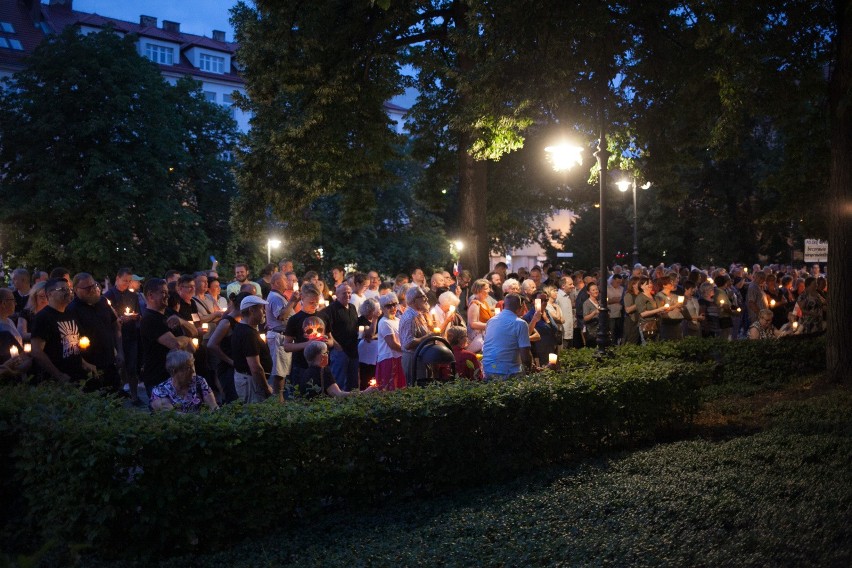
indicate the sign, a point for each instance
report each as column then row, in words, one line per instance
column 816, row 250
column 564, row 255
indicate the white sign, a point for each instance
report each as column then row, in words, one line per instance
column 564, row 255
column 816, row 250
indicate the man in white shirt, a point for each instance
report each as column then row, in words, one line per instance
column 565, row 302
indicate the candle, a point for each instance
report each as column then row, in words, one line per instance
column 680, row 299
column 263, row 337
column 667, row 305
column 28, row 348
column 537, row 305
column 84, row 342
column 721, row 302
column 132, row 290
column 795, row 326
column 195, row 342
column 13, row 351
column 772, row 303
column 452, row 309
column 361, row 329
column 373, row 382
column 739, row 309
column 205, row 327
column 745, row 269
column 710, row 280
column 552, row 358
column 479, row 356
column 436, row 329
column 108, row 302
column 127, row 311
column 496, row 311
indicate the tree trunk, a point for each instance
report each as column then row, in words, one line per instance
column 473, row 188
column 838, row 353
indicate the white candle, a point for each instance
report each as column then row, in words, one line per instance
column 552, row 358
column 721, row 302
column 452, row 309
column 739, row 309
column 127, row 311
column 710, row 280
column 667, row 305
column 537, row 305
column 263, row 337
column 361, row 329
column 795, row 325
column 680, row 299
column 28, row 348
column 13, row 351
column 772, row 303
column 496, row 311
column 195, row 342
column 373, row 382
column 205, row 327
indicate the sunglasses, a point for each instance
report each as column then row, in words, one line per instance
column 313, row 330
column 395, row 304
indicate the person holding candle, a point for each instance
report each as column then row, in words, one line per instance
column 811, row 304
column 709, row 309
column 763, row 328
column 99, row 322
column 478, row 314
column 691, row 311
column 36, row 302
column 566, row 307
column 726, row 303
column 413, row 329
column 444, row 313
column 389, row 372
column 214, row 295
column 631, row 316
column 342, row 322
column 14, row 360
column 755, row 296
column 219, row 347
column 278, row 310
column 125, row 302
column 671, row 319
column 649, row 312
column 591, row 311
column 318, row 379
column 183, row 391
column 368, row 347
column 554, row 312
column 468, row 366
column 297, row 332
column 56, row 336
column 544, row 340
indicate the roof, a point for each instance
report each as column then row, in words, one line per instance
column 18, row 14
column 58, row 17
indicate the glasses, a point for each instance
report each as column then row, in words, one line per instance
column 64, row 290
column 88, row 288
column 393, row 305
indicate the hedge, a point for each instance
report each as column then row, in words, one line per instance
column 82, row 469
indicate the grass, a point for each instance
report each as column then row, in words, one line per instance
column 765, row 481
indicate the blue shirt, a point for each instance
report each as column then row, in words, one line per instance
column 505, row 335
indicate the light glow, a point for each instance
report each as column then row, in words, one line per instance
column 564, row 156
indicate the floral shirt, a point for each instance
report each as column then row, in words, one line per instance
column 194, row 397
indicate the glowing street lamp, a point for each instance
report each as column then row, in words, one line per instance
column 271, row 244
column 564, row 156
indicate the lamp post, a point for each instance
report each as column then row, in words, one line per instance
column 623, row 186
column 271, row 244
column 564, row 156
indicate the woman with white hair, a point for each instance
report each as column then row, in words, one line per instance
column 444, row 313
column 368, row 347
column 389, row 372
column 183, row 391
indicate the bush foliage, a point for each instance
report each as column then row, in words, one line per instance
column 80, row 468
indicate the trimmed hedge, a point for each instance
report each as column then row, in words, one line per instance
column 736, row 361
column 81, row 469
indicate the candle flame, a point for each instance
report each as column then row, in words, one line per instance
column 84, row 342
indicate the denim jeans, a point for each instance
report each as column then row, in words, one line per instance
column 344, row 370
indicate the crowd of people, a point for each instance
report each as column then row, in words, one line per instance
column 286, row 336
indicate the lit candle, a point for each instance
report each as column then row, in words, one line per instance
column 667, row 305
column 108, row 302
column 552, row 358
column 263, row 337
column 127, row 311
column 745, row 269
column 680, row 299
column 28, row 348
column 373, row 382
column 496, row 311
column 537, row 305
column 479, row 356
column 13, row 351
column 195, row 342
column 710, row 280
column 333, row 297
column 795, row 326
column 772, row 303
column 205, row 327
column 452, row 309
column 721, row 302
column 739, row 309
column 436, row 329
column 84, row 342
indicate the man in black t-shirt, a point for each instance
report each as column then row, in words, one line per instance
column 341, row 323
column 159, row 334
column 295, row 340
column 56, row 336
column 98, row 322
column 125, row 302
column 250, row 354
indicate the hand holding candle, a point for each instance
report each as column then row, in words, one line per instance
column 195, row 342
column 13, row 351
column 538, row 304
column 28, row 348
column 205, row 326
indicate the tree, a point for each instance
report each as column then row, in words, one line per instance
column 104, row 164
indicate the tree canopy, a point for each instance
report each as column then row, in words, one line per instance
column 104, row 164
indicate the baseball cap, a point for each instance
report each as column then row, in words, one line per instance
column 252, row 301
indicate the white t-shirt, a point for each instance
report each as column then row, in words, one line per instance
column 356, row 301
column 387, row 327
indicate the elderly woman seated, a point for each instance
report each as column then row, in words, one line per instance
column 763, row 328
column 183, row 391
column 318, row 378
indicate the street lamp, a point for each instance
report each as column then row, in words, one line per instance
column 623, row 186
column 271, row 244
column 563, row 157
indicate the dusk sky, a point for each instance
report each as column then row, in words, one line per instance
column 199, row 17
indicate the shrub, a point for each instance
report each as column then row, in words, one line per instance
column 89, row 471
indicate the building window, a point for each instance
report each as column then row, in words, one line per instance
column 159, row 54
column 7, row 27
column 3, row 42
column 228, row 101
column 16, row 44
column 210, row 96
column 211, row 63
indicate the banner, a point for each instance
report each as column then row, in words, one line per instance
column 816, row 250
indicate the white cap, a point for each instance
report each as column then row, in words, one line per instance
column 249, row 301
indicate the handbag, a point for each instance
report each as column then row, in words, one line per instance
column 649, row 327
